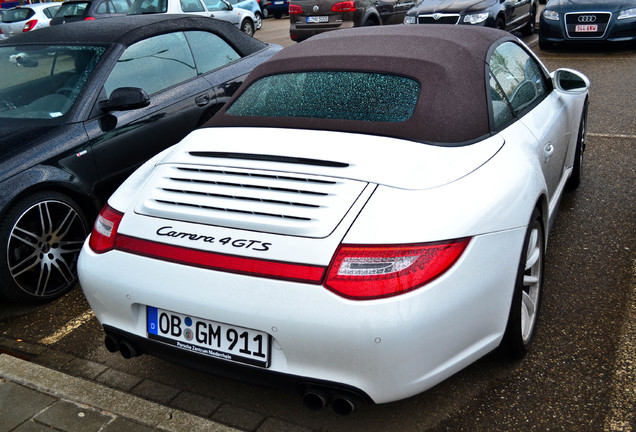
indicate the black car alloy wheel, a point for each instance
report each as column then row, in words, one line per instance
column 42, row 236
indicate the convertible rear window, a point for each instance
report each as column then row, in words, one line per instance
column 342, row 95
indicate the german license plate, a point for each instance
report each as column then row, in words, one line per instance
column 586, row 28
column 209, row 338
column 279, row 2
column 317, row 19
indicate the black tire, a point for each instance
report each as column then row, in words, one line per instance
column 577, row 170
column 528, row 29
column 247, row 27
column 41, row 236
column 526, row 299
column 259, row 20
column 265, row 13
column 545, row 45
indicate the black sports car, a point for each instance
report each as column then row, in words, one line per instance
column 83, row 105
column 587, row 21
column 511, row 15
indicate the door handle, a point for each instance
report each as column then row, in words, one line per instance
column 202, row 100
column 549, row 149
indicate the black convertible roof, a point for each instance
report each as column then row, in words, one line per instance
column 129, row 29
column 448, row 61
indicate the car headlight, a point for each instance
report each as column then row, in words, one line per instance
column 627, row 13
column 476, row 18
column 410, row 19
column 551, row 15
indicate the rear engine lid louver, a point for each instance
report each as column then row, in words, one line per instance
column 255, row 200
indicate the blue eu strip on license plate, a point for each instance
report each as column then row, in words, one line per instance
column 209, row 338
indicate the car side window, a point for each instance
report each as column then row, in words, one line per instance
column 192, row 6
column 102, row 8
column 119, row 6
column 517, row 82
column 153, row 64
column 210, row 51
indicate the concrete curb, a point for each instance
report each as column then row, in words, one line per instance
column 103, row 398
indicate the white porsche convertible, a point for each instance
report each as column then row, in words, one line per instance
column 364, row 218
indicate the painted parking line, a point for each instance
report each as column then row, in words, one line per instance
column 68, row 328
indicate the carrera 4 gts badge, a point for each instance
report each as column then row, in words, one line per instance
column 255, row 245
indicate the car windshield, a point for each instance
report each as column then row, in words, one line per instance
column 343, row 95
column 140, row 7
column 43, row 81
column 17, row 14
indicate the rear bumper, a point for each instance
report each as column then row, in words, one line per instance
column 382, row 350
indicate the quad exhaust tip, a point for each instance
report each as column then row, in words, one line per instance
column 126, row 348
column 342, row 404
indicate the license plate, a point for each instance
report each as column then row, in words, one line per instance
column 278, row 2
column 586, row 28
column 317, row 19
column 209, row 338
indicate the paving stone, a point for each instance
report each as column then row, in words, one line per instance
column 154, row 391
column 18, row 404
column 70, row 417
column 31, row 426
column 54, row 359
column 195, row 404
column 275, row 425
column 238, row 417
column 23, row 347
column 124, row 425
column 84, row 368
column 119, row 380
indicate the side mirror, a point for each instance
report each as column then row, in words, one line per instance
column 228, row 5
column 570, row 81
column 124, row 99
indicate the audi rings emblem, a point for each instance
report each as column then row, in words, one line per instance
column 315, row 8
column 587, row 18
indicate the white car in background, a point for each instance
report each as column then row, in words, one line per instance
column 245, row 20
column 27, row 18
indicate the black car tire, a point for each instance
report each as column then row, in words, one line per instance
column 575, row 179
column 247, row 27
column 545, row 45
column 265, row 13
column 41, row 237
column 526, row 299
column 528, row 29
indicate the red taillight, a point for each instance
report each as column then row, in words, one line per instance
column 345, row 6
column 368, row 272
column 89, row 19
column 29, row 25
column 295, row 9
column 104, row 231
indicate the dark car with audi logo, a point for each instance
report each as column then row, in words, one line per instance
column 571, row 21
column 311, row 17
column 510, row 15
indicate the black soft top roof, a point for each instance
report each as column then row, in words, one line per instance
column 448, row 61
column 129, row 29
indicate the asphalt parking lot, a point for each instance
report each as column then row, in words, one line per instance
column 580, row 375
